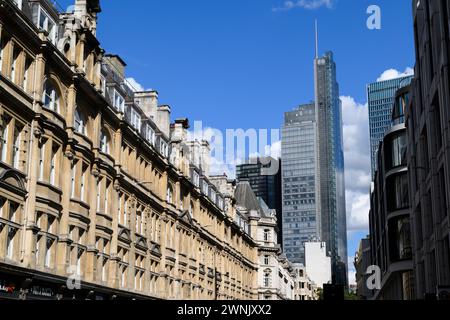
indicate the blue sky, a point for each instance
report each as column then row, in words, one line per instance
column 241, row 64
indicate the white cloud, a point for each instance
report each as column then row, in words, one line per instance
column 394, row 74
column 357, row 163
column 305, row 4
column 134, row 85
column 274, row 150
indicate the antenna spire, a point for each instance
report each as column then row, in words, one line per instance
column 317, row 39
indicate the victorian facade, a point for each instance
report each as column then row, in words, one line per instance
column 99, row 192
column 275, row 273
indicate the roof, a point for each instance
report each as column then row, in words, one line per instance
column 246, row 198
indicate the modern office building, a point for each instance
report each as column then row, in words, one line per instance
column 330, row 175
column 380, row 98
column 428, row 130
column 300, row 219
column 389, row 217
column 101, row 196
column 264, row 176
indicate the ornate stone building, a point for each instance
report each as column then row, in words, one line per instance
column 101, row 197
column 275, row 274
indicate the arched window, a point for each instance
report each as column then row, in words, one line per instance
column 105, row 142
column 169, row 197
column 79, row 122
column 51, row 97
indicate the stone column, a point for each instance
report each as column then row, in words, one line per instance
column 30, row 207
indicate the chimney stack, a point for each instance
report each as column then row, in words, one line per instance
column 163, row 120
column 148, row 101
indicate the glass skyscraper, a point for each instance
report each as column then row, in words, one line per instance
column 300, row 220
column 330, row 166
column 380, row 98
column 313, row 183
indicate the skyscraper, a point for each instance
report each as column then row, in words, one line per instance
column 300, row 222
column 330, row 165
column 266, row 184
column 380, row 98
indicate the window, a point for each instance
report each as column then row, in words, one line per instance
column 3, row 43
column 16, row 146
column 164, row 148
column 400, row 239
column 72, row 183
column 169, row 196
column 150, row 135
column 267, row 279
column 397, row 151
column 26, row 75
column 51, row 97
column 103, row 84
column 14, row 69
column 47, row 24
column 41, row 161
column 205, row 188
column 107, row 190
column 99, row 181
column 397, row 192
column 266, row 260
column 10, row 243
column 104, row 142
column 119, row 102
column 83, row 183
column 4, row 136
column 196, row 178
column 48, row 253
column 53, row 165
column 80, row 122
column 135, row 120
column 266, row 235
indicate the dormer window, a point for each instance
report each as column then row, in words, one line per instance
column 205, row 188
column 135, row 120
column 164, row 148
column 119, row 102
column 196, row 178
column 47, row 24
column 150, row 135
